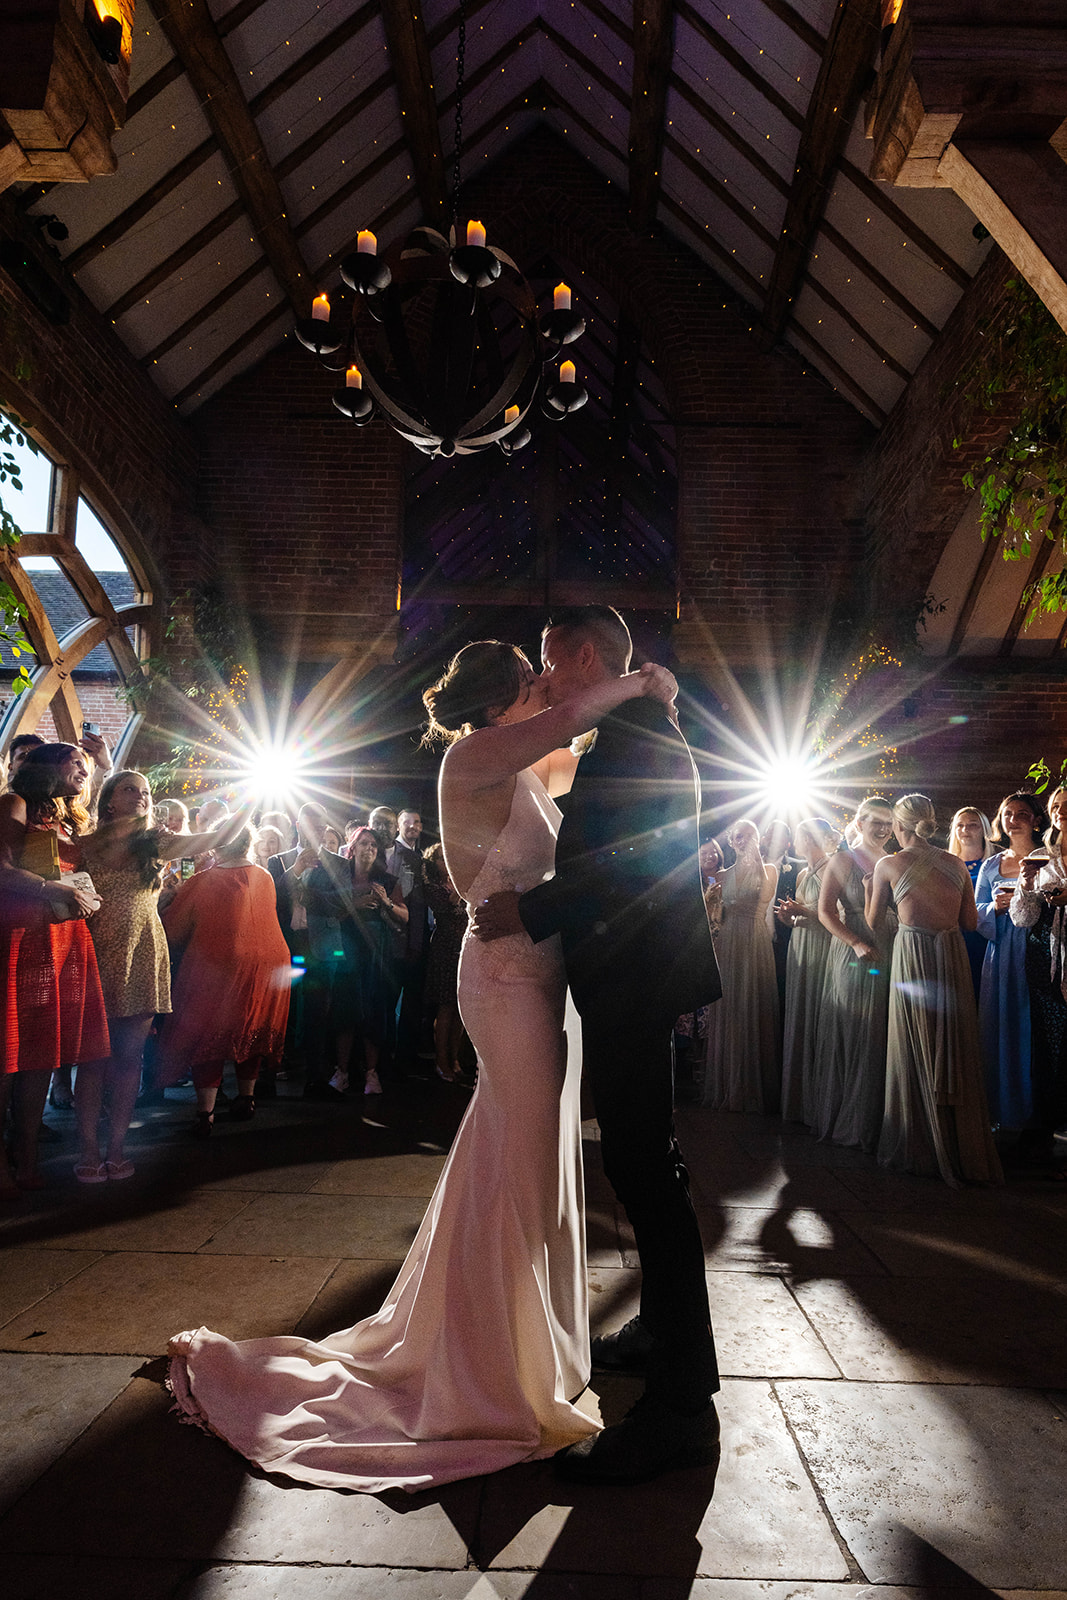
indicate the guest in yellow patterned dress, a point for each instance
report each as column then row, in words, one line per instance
column 125, row 858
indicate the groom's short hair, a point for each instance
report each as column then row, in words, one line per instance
column 601, row 626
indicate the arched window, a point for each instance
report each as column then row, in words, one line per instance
column 87, row 610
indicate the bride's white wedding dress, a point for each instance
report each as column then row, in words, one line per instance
column 482, row 1343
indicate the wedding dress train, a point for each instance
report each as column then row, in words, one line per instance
column 482, row 1343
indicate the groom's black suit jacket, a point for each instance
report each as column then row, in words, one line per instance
column 626, row 898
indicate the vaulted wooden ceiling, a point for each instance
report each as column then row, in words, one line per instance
column 261, row 135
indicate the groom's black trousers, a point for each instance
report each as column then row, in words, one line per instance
column 628, row 1062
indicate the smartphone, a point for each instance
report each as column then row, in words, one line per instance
column 188, row 867
column 91, row 727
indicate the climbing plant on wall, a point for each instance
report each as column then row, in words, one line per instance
column 1022, row 482
column 12, row 611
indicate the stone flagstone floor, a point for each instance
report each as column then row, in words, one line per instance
column 893, row 1402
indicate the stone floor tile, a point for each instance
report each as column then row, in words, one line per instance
column 801, row 1242
column 411, row 1174
column 135, row 1302
column 296, row 1179
column 920, row 1477
column 757, row 1517
column 361, row 1226
column 604, row 1248
column 28, row 1274
column 139, row 1484
column 352, row 1583
column 47, row 1402
column 740, row 1589
column 354, row 1290
column 768, row 1185
column 953, row 1329
column 132, row 1220
column 1001, row 1244
column 759, row 1329
column 53, row 1577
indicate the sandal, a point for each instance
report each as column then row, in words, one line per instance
column 86, row 1172
column 242, row 1108
column 116, row 1170
column 205, row 1121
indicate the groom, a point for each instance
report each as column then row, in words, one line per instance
column 627, row 902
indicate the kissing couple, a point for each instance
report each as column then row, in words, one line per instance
column 482, row 1346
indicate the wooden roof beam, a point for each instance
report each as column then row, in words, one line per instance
column 409, row 52
column 653, row 25
column 195, row 39
column 846, row 64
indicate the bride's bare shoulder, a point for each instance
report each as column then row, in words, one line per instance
column 467, row 764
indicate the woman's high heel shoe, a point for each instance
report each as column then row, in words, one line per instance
column 242, row 1108
column 205, row 1121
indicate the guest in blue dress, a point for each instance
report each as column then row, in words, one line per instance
column 970, row 837
column 1004, row 1001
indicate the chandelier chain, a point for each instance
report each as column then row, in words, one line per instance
column 457, row 149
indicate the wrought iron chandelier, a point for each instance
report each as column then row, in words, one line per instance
column 442, row 338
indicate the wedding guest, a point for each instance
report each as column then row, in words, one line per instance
column 282, row 822
column 54, row 1008
column 331, row 840
column 307, row 1038
column 936, row 1118
column 848, row 1093
column 1004, row 1000
column 405, row 861
column 124, row 856
column 1039, row 905
column 776, row 847
column 367, row 902
column 211, row 815
column 743, row 1069
column 691, row 1029
column 231, row 992
column 269, row 842
column 809, row 954
column 970, row 838
column 382, row 823
column 442, row 975
column 18, row 750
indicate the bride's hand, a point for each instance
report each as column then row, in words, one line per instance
column 659, row 683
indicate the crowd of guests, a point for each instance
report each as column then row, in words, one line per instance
column 908, row 1001
column 145, row 946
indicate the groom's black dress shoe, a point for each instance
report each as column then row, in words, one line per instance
column 626, row 1350
column 650, row 1439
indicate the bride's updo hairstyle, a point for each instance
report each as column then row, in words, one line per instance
column 482, row 680
column 915, row 812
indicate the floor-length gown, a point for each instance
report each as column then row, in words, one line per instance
column 936, row 1117
column 849, row 1094
column 482, row 1343
column 743, row 1070
column 805, row 981
column 1004, row 1005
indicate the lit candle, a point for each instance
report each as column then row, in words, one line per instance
column 366, row 243
column 511, row 415
column 476, row 234
column 320, row 308
column 561, row 298
column 353, row 378
column 566, row 372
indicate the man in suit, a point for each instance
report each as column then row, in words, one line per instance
column 404, row 861
column 307, row 1033
column 626, row 900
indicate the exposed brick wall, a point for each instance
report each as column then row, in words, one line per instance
column 100, row 703
column 307, row 508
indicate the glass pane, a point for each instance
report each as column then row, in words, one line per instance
column 31, row 507
column 96, row 544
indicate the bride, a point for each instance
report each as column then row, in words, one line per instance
column 482, row 1343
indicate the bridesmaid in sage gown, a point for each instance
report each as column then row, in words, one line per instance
column 743, row 1067
column 936, row 1117
column 805, row 973
column 482, row 1344
column 850, row 1083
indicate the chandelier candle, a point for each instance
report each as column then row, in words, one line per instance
column 353, row 378
column 561, row 298
column 476, row 234
column 320, row 308
column 366, row 243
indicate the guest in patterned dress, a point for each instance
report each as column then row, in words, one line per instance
column 125, row 857
column 52, row 1010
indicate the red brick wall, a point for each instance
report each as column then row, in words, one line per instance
column 306, row 506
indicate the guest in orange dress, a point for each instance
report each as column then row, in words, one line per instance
column 231, row 992
column 53, row 1008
